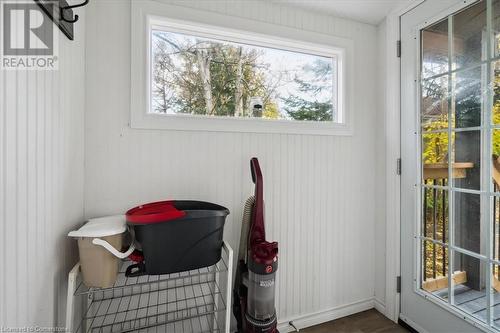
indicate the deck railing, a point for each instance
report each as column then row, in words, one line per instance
column 435, row 225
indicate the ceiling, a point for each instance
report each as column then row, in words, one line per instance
column 367, row 11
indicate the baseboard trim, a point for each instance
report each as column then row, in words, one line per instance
column 379, row 306
column 320, row 317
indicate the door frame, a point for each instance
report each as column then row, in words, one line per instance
column 392, row 114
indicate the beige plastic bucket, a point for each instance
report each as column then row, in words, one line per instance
column 99, row 243
column 99, row 266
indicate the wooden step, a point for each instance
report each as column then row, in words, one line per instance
column 430, row 285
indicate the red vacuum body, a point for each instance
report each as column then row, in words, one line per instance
column 254, row 290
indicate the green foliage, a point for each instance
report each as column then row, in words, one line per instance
column 271, row 111
column 435, row 145
column 300, row 108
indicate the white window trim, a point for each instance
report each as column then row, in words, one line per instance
column 145, row 14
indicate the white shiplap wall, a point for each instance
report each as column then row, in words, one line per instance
column 41, row 185
column 320, row 190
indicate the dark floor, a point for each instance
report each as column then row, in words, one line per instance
column 370, row 321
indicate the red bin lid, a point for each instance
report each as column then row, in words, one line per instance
column 154, row 212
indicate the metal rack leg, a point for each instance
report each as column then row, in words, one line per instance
column 229, row 286
column 70, row 302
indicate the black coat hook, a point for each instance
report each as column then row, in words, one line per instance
column 73, row 20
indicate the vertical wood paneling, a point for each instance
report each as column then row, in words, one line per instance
column 11, row 189
column 41, row 185
column 320, row 190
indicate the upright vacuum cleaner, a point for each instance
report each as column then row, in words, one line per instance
column 254, row 287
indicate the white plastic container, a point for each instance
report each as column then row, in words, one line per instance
column 99, row 244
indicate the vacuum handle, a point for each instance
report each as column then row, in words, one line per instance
column 110, row 248
column 255, row 169
column 257, row 228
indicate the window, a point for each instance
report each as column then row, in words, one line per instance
column 202, row 76
column 193, row 74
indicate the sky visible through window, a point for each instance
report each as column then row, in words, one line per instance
column 199, row 76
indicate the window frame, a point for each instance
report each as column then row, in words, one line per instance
column 150, row 15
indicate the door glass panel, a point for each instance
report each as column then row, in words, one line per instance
column 467, row 160
column 469, row 290
column 495, row 296
column 435, row 214
column 435, row 270
column 495, row 201
column 495, row 160
column 495, row 26
column 495, row 78
column 435, row 158
column 467, row 97
column 469, row 27
column 467, row 222
column 434, row 103
column 435, row 49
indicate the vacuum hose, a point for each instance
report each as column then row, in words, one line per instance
column 245, row 227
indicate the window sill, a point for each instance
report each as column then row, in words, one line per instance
column 242, row 125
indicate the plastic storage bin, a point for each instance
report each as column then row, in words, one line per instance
column 99, row 242
column 177, row 236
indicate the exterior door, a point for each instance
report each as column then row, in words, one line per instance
column 450, row 132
